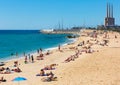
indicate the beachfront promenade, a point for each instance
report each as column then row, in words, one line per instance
column 92, row 60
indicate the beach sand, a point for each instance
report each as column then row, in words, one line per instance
column 98, row 68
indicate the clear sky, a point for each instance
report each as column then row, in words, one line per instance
column 40, row 14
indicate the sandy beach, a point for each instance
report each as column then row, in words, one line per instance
column 97, row 65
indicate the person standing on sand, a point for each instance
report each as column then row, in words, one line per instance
column 41, row 50
column 32, row 58
column 38, row 51
column 25, row 59
column 115, row 36
column 29, row 57
column 59, row 47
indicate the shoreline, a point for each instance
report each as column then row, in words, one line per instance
column 34, row 52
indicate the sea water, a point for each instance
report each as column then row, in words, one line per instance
column 27, row 41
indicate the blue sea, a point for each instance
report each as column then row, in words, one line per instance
column 28, row 41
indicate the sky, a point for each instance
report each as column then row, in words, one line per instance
column 44, row 14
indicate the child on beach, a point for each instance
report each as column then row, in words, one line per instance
column 25, row 59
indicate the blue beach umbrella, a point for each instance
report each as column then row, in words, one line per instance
column 19, row 79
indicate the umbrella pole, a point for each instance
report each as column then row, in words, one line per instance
column 18, row 83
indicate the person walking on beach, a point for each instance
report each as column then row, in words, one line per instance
column 59, row 47
column 83, row 43
column 29, row 57
column 38, row 51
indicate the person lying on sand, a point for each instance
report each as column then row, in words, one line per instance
column 104, row 43
column 50, row 67
column 90, row 51
column 2, row 79
column 73, row 48
column 42, row 73
column 49, row 78
column 17, row 70
column 71, row 58
column 50, row 75
column 15, row 63
column 48, row 52
column 67, row 60
column 6, row 71
column 81, row 43
column 40, row 57
column 2, row 69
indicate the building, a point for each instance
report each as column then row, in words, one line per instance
column 109, row 19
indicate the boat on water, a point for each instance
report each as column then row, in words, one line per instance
column 46, row 30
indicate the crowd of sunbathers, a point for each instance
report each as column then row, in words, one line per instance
column 7, row 70
column 86, row 48
column 41, row 55
column 49, row 76
column 72, row 57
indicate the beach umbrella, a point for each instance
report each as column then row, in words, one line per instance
column 19, row 79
